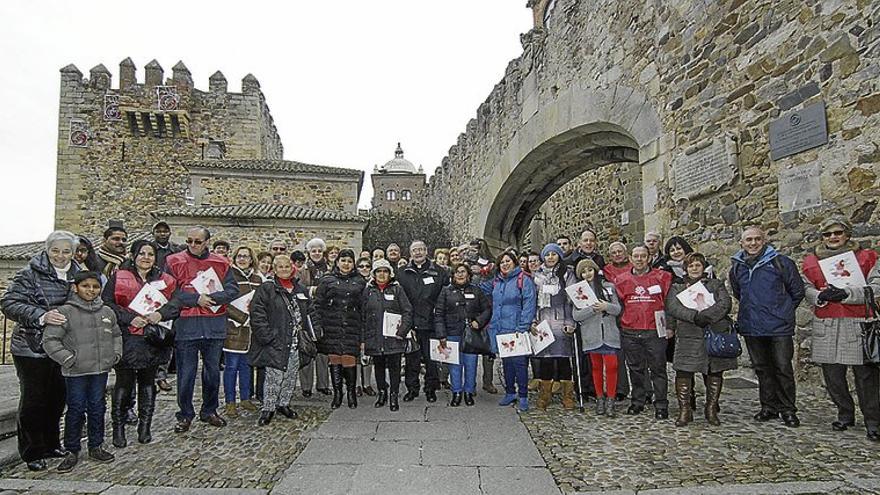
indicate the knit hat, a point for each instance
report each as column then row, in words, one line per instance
column 835, row 220
column 383, row 263
column 554, row 248
column 583, row 264
column 346, row 253
column 79, row 277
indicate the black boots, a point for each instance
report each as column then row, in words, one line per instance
column 350, row 375
column 468, row 399
column 392, row 402
column 683, row 388
column 118, row 408
column 713, row 393
column 265, row 418
column 382, row 399
column 146, row 406
column 456, row 399
column 336, row 380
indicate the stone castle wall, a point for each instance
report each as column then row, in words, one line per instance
column 322, row 194
column 674, row 76
column 119, row 154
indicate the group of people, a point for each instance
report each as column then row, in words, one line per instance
column 322, row 317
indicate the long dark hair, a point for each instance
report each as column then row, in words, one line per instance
column 91, row 261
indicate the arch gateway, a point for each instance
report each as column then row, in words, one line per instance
column 676, row 117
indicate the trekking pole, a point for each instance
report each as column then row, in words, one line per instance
column 577, row 366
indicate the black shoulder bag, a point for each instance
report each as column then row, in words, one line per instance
column 871, row 329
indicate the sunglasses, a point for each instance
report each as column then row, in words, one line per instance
column 195, row 242
column 363, row 266
column 279, row 249
column 837, row 233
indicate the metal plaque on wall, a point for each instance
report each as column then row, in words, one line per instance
column 799, row 188
column 798, row 131
column 706, row 168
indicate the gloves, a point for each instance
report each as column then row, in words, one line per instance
column 701, row 320
column 832, row 294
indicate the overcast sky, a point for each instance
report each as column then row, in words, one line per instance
column 345, row 79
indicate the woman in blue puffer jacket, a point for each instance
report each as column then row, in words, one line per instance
column 513, row 310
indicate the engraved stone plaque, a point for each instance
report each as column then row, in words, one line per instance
column 705, row 169
column 798, row 131
column 799, row 188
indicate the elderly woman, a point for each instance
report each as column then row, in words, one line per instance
column 384, row 295
column 513, row 311
column 238, row 335
column 31, row 302
column 554, row 308
column 142, row 353
column 280, row 309
column 441, row 257
column 338, row 302
column 461, row 304
column 836, row 333
column 690, row 346
column 600, row 336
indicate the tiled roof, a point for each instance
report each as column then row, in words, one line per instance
column 287, row 212
column 28, row 250
column 274, row 166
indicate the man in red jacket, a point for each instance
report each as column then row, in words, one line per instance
column 642, row 291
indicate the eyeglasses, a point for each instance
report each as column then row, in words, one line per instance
column 279, row 249
column 836, row 233
column 195, row 242
column 243, row 257
column 364, row 267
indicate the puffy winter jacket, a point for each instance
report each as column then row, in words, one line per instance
column 768, row 292
column 34, row 291
column 89, row 342
column 376, row 302
column 458, row 306
column 513, row 305
column 273, row 332
column 120, row 290
column 423, row 287
column 338, row 301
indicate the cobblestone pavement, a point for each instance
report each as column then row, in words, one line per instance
column 586, row 453
column 240, row 455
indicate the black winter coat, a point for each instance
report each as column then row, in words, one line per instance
column 137, row 353
column 423, row 287
column 338, row 302
column 457, row 307
column 272, row 330
column 375, row 303
column 34, row 291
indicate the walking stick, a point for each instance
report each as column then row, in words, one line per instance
column 577, row 366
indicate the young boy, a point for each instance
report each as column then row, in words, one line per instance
column 86, row 346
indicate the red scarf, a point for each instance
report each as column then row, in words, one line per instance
column 382, row 286
column 287, row 283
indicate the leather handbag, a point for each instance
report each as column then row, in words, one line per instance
column 159, row 336
column 475, row 341
column 871, row 329
column 723, row 344
column 412, row 343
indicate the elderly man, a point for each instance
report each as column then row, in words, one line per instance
column 277, row 246
column 654, row 243
column 422, row 280
column 642, row 292
column 317, row 372
column 201, row 327
column 769, row 289
column 392, row 254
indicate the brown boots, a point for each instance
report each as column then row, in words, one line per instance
column 684, row 385
column 545, row 392
column 713, row 393
column 568, row 401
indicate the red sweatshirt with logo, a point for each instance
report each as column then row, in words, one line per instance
column 642, row 295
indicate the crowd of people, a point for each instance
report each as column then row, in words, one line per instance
column 320, row 318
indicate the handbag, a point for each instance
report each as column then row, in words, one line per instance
column 871, row 329
column 412, row 343
column 305, row 336
column 475, row 341
column 159, row 336
column 722, row 344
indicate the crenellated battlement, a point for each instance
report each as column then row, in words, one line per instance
column 100, row 78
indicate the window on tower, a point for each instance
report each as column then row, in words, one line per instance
column 406, row 195
column 391, row 195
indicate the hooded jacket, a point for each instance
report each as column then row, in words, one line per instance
column 768, row 292
column 514, row 304
column 34, row 291
column 89, row 342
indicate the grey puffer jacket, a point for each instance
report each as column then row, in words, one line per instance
column 34, row 291
column 598, row 329
column 89, row 343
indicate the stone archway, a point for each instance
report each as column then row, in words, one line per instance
column 580, row 130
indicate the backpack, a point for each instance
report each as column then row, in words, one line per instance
column 519, row 280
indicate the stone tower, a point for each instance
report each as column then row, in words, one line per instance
column 397, row 184
column 120, row 149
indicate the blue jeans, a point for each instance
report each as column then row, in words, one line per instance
column 187, row 364
column 468, row 366
column 516, row 375
column 236, row 366
column 85, row 395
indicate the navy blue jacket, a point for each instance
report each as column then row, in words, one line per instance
column 768, row 294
